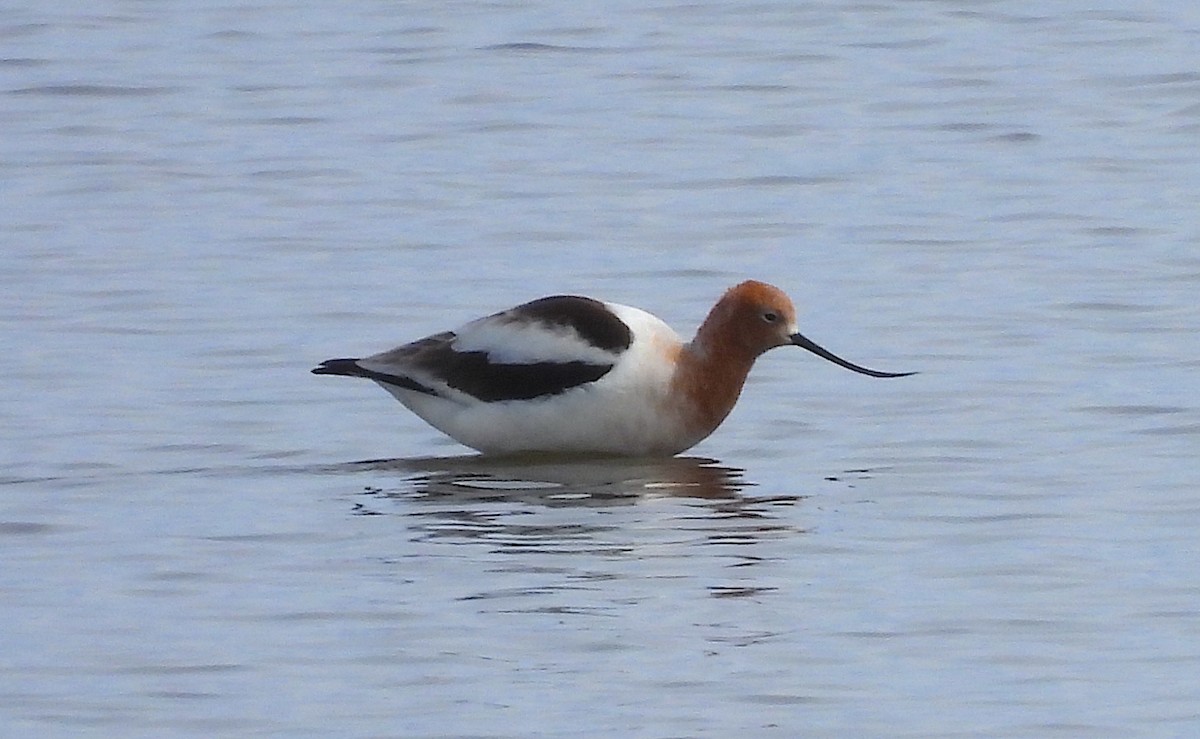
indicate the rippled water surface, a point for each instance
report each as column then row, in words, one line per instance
column 199, row 202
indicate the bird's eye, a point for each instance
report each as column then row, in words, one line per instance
column 770, row 316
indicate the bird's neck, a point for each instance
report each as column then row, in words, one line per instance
column 710, row 375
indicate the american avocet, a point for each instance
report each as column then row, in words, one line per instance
column 574, row 374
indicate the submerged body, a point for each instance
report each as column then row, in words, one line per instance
column 574, row 374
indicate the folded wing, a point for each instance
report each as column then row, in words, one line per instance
column 538, row 349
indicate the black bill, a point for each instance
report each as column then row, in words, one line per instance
column 804, row 342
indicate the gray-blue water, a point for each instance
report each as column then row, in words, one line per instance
column 200, row 201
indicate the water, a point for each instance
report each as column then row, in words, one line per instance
column 200, row 202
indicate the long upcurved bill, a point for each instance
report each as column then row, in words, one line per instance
column 804, row 342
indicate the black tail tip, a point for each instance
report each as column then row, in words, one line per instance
column 347, row 366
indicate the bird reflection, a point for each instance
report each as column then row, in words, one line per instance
column 555, row 481
column 507, row 501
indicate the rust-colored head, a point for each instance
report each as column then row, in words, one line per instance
column 749, row 319
column 753, row 317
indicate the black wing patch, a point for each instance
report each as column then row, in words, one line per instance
column 589, row 318
column 472, row 372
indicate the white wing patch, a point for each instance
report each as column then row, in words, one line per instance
column 512, row 341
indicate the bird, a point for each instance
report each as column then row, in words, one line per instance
column 577, row 375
